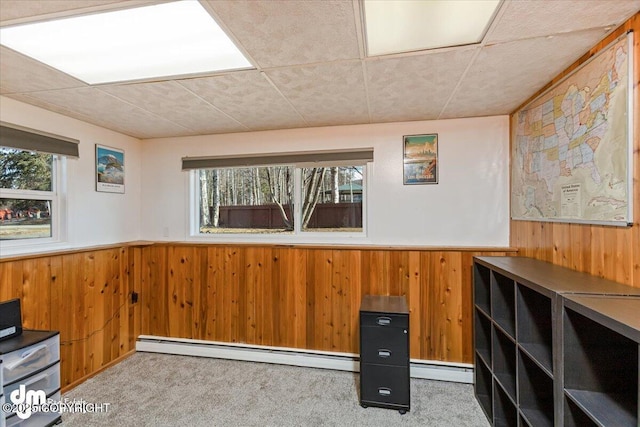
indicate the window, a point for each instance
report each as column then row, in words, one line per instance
column 27, row 199
column 296, row 198
column 241, row 200
column 332, row 198
column 31, row 166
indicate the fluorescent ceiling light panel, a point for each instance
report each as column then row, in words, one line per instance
column 163, row 40
column 394, row 26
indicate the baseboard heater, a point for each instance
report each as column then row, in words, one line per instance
column 426, row 369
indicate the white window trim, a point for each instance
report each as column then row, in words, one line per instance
column 57, row 195
column 297, row 236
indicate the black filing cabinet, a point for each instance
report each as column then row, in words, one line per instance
column 384, row 352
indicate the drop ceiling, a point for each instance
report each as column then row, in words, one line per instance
column 311, row 69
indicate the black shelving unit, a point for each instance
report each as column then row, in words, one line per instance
column 544, row 348
column 601, row 358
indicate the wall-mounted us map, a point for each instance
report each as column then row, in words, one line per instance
column 571, row 145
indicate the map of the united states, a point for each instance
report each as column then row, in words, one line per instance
column 570, row 151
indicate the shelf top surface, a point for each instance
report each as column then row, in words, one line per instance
column 619, row 313
column 27, row 338
column 384, row 304
column 553, row 277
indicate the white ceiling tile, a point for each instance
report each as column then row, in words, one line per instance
column 13, row 77
column 16, row 9
column 311, row 72
column 27, row 98
column 503, row 76
column 173, row 102
column 95, row 106
column 534, row 18
column 285, row 32
column 414, row 87
column 325, row 94
column 247, row 97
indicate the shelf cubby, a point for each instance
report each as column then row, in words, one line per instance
column 574, row 416
column 482, row 334
column 483, row 391
column 482, row 288
column 534, row 326
column 506, row 413
column 503, row 308
column 504, row 362
column 535, row 392
column 601, row 371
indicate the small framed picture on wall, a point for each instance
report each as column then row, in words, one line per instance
column 420, row 159
column 109, row 169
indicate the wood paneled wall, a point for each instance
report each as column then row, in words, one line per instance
column 609, row 252
column 83, row 294
column 306, row 298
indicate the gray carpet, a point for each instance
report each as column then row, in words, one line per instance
column 150, row 389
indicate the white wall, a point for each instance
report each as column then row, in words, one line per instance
column 469, row 206
column 93, row 218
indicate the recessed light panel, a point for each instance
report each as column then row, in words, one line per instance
column 162, row 40
column 394, row 26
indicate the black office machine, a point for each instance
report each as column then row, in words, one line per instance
column 10, row 319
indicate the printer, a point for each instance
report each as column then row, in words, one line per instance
column 10, row 319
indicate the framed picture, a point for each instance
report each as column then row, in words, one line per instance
column 420, row 159
column 109, row 169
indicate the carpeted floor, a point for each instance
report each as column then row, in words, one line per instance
column 150, row 389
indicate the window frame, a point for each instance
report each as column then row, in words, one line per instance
column 58, row 207
column 298, row 235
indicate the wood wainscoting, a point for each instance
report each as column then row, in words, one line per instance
column 84, row 294
column 609, row 252
column 307, row 297
column 300, row 297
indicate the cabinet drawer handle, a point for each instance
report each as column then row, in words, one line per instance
column 382, row 391
column 383, row 321
column 383, row 352
column 26, row 355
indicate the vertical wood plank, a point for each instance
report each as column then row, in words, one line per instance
column 414, row 300
column 427, row 304
column 36, row 274
column 355, row 282
column 320, row 262
column 93, row 314
column 11, row 279
column 233, row 277
column 135, row 285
